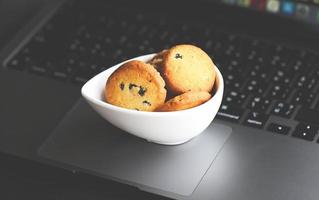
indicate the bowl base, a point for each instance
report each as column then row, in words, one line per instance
column 169, row 143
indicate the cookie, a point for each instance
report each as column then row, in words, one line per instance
column 188, row 68
column 135, row 85
column 157, row 60
column 185, row 101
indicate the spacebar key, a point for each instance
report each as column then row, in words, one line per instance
column 230, row 113
column 308, row 116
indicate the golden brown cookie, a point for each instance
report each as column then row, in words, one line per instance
column 185, row 101
column 135, row 85
column 188, row 68
column 157, row 60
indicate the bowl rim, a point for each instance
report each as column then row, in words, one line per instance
column 153, row 113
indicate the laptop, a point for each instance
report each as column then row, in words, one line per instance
column 263, row 143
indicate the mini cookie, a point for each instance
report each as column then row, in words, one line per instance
column 136, row 85
column 188, row 68
column 185, row 101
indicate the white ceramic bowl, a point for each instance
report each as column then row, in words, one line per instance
column 169, row 128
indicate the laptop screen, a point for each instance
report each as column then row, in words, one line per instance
column 303, row 10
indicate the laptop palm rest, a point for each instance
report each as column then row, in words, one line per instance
column 84, row 141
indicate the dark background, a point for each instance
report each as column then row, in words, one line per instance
column 14, row 14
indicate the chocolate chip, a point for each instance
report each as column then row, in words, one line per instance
column 122, row 86
column 137, row 109
column 178, row 56
column 146, row 102
column 142, row 91
column 132, row 85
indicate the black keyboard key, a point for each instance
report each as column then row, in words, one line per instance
column 255, row 86
column 21, row 61
column 282, row 77
column 232, row 80
column 259, row 104
column 306, row 82
column 307, row 126
column 80, row 80
column 308, row 116
column 253, row 56
column 59, row 75
column 306, row 131
column 278, row 91
column 234, row 85
column 283, row 64
column 301, row 80
column 303, row 97
column 38, row 70
column 304, row 135
column 232, row 67
column 230, row 51
column 296, row 65
column 274, row 60
column 235, row 98
column 283, row 109
column 277, row 49
column 261, row 74
column 15, row 64
column 255, row 119
column 311, row 84
column 278, row 128
column 257, row 67
column 230, row 113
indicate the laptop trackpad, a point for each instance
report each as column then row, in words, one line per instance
column 86, row 142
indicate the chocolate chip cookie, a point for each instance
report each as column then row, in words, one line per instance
column 136, row 85
column 185, row 101
column 187, row 68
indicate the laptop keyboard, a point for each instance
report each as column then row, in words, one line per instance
column 268, row 85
